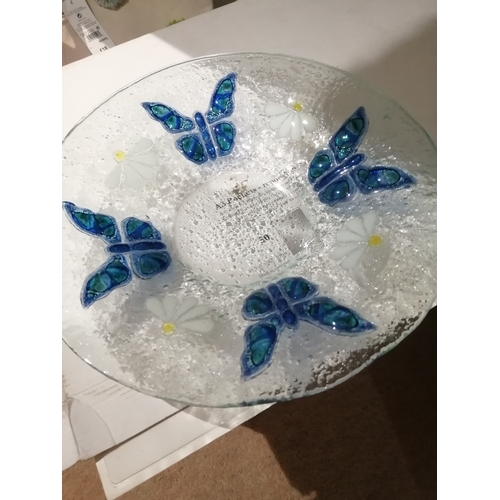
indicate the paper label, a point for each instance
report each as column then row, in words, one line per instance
column 87, row 27
column 239, row 228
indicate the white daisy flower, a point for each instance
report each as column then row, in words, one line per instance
column 360, row 238
column 290, row 122
column 134, row 165
column 187, row 315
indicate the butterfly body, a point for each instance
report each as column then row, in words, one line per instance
column 146, row 252
column 283, row 305
column 338, row 173
column 210, row 137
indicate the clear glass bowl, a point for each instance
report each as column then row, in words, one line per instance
column 120, row 337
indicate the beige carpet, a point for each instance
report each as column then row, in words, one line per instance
column 371, row 438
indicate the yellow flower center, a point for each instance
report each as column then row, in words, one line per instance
column 374, row 241
column 119, row 156
column 168, row 328
column 297, row 106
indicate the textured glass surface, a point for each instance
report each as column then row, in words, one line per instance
column 119, row 336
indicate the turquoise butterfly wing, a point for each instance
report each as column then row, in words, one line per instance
column 348, row 138
column 272, row 307
column 99, row 225
column 222, row 106
column 148, row 253
column 191, row 145
column 330, row 316
column 113, row 274
column 171, row 120
column 222, row 102
column 260, row 341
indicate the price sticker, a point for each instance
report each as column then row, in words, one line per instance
column 83, row 21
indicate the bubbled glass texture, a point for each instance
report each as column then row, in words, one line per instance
column 120, row 338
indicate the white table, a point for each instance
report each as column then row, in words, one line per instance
column 389, row 43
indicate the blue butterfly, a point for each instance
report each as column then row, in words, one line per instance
column 148, row 254
column 337, row 173
column 281, row 305
column 198, row 147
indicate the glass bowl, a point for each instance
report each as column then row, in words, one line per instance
column 168, row 317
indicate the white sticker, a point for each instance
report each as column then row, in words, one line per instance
column 87, row 27
column 239, row 228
